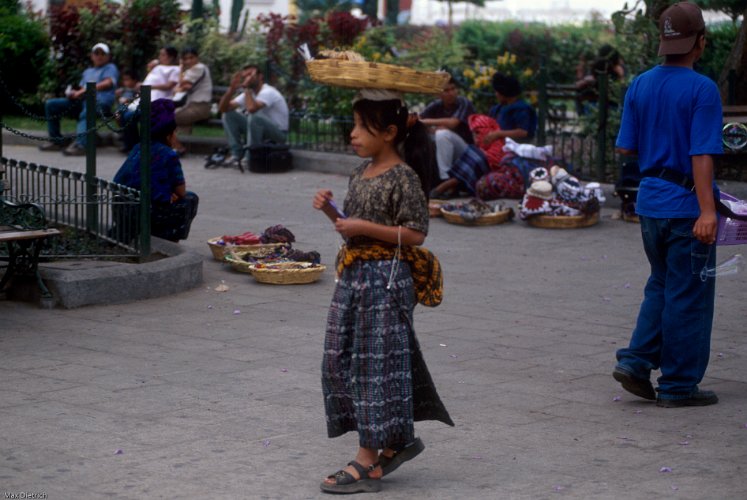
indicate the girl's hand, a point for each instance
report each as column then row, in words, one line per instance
column 321, row 199
column 349, row 227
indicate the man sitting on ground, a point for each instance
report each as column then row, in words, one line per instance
column 448, row 117
column 259, row 113
column 106, row 75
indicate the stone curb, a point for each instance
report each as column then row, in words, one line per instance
column 80, row 283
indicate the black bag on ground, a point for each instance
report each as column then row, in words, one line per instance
column 269, row 157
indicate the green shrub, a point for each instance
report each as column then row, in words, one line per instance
column 720, row 39
column 24, row 48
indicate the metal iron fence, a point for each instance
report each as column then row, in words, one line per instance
column 320, row 133
column 98, row 214
column 582, row 135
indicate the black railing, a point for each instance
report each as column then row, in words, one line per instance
column 320, row 133
column 580, row 131
column 69, row 200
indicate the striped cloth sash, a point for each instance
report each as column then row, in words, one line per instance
column 424, row 266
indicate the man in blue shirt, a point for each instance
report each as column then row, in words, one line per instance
column 672, row 121
column 105, row 74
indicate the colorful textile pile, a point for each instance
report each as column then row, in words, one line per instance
column 480, row 126
column 556, row 192
column 277, row 234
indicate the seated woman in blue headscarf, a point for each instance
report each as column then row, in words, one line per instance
column 172, row 206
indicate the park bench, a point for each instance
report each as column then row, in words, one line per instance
column 23, row 229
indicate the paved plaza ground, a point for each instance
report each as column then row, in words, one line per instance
column 217, row 395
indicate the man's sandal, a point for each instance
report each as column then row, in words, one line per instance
column 345, row 482
column 401, row 455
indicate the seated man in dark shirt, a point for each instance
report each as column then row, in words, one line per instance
column 447, row 116
column 172, row 206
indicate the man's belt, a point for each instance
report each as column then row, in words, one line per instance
column 685, row 181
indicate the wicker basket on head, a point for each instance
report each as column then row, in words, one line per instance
column 283, row 274
column 363, row 74
column 221, row 251
column 563, row 221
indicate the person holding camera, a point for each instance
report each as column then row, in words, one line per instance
column 259, row 114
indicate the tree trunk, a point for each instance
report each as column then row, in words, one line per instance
column 736, row 61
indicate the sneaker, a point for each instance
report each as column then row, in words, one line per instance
column 74, row 149
column 640, row 387
column 698, row 398
column 231, row 162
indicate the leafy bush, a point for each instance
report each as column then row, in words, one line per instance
column 134, row 31
column 142, row 23
column 24, row 47
column 719, row 41
column 534, row 44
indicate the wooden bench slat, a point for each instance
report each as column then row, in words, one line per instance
column 27, row 235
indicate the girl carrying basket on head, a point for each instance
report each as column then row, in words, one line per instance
column 374, row 378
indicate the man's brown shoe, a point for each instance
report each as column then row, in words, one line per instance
column 52, row 146
column 634, row 385
column 74, row 149
column 698, row 398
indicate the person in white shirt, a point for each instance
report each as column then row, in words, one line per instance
column 259, row 113
column 163, row 74
column 163, row 77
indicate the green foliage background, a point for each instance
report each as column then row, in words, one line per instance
column 43, row 65
column 23, row 50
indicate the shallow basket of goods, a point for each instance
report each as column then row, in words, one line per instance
column 220, row 252
column 238, row 261
column 287, row 273
column 475, row 213
column 434, row 208
column 364, row 74
column 563, row 221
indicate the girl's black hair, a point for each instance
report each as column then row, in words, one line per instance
column 190, row 50
column 419, row 152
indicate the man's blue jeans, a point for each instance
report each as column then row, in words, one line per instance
column 58, row 107
column 256, row 128
column 673, row 331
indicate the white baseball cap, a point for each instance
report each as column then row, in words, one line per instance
column 101, row 46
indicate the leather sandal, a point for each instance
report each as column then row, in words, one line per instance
column 345, row 483
column 401, row 455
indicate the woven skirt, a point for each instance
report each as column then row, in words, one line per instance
column 374, row 378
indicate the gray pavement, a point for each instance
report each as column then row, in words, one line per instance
column 208, row 394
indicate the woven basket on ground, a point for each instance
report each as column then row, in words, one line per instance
column 484, row 220
column 434, row 208
column 281, row 274
column 563, row 221
column 363, row 74
column 220, row 251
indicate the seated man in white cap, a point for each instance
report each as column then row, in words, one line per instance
column 105, row 74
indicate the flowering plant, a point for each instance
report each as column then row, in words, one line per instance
column 477, row 77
